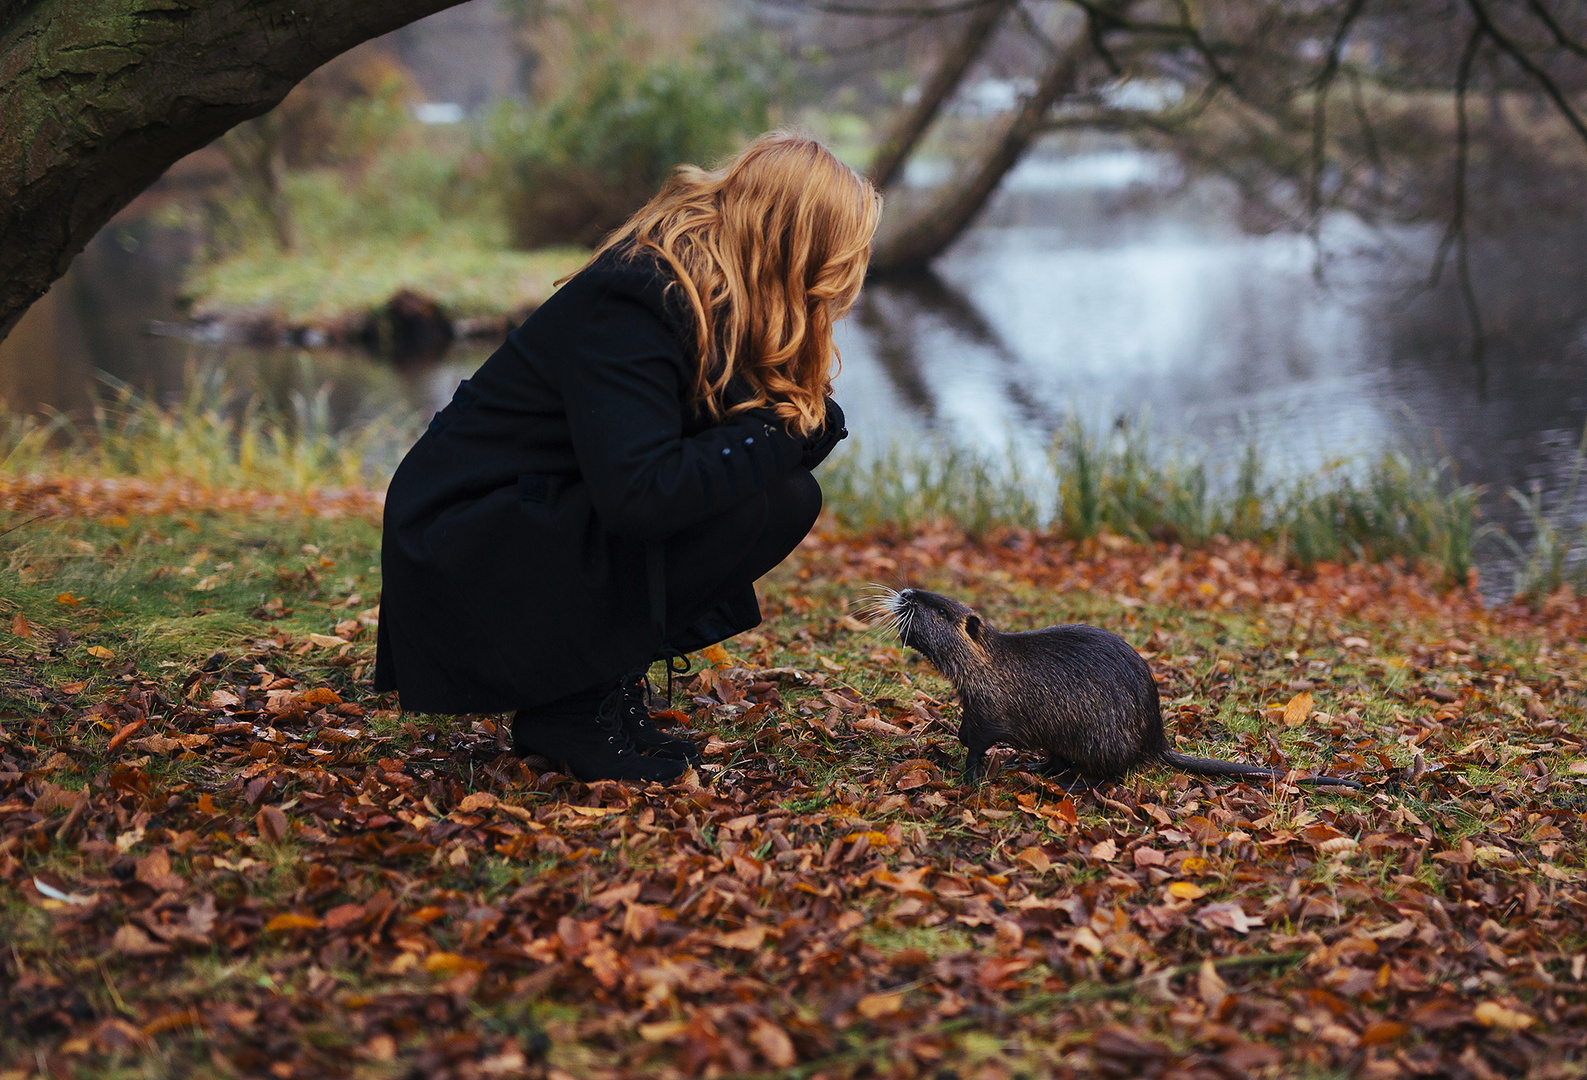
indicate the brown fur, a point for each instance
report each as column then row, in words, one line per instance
column 1077, row 693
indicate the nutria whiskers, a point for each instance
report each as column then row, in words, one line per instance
column 1078, row 693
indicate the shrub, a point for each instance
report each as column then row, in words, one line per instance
column 574, row 170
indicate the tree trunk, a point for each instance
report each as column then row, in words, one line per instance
column 910, row 127
column 99, row 97
column 923, row 239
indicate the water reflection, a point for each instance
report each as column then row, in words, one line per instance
column 1096, row 285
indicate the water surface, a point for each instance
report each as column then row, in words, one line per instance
column 1099, row 285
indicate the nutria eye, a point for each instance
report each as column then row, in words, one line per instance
column 972, row 626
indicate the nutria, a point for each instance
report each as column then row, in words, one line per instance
column 1078, row 693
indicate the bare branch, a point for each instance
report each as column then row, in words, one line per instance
column 1530, row 66
column 1368, row 132
column 1564, row 40
column 902, row 138
column 1456, row 234
column 1034, row 30
column 1319, row 120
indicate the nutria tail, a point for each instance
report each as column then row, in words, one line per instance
column 1203, row 766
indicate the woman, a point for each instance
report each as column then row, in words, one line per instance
column 604, row 491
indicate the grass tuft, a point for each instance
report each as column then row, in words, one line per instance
column 1394, row 506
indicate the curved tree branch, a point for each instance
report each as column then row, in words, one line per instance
column 99, row 97
column 1525, row 62
column 1561, row 38
column 927, row 236
column 901, row 140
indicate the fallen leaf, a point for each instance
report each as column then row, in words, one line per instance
column 50, row 891
column 1210, row 985
column 289, row 921
column 1035, row 858
column 1494, row 1015
column 1228, row 916
column 479, row 800
column 1298, row 709
column 120, row 738
column 662, row 1031
column 447, row 963
column 872, row 1006
column 272, row 824
column 101, row 652
column 129, row 940
column 154, row 870
column 1382, row 1031
column 749, row 938
column 68, row 599
column 774, row 1044
column 1186, row 890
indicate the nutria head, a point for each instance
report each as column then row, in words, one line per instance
column 953, row 637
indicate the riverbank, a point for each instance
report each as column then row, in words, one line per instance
column 351, row 292
column 221, row 849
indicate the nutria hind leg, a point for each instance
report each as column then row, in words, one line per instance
column 1067, row 775
column 974, row 759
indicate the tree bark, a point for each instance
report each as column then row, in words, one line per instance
column 99, row 97
column 910, row 127
column 914, row 246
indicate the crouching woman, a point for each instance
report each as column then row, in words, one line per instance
column 603, row 492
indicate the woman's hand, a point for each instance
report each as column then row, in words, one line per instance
column 816, row 446
column 824, row 441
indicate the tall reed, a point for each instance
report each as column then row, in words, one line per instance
column 214, row 435
column 1114, row 481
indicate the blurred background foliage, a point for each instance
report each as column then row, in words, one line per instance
column 575, row 161
column 1285, row 226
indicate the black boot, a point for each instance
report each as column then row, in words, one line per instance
column 585, row 733
column 640, row 727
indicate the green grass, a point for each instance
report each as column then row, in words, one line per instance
column 138, row 602
column 215, row 436
column 1395, row 506
column 1398, row 506
column 329, row 284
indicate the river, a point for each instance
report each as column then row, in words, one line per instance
column 1100, row 285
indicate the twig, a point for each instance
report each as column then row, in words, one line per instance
column 1564, row 40
column 1319, row 123
column 1026, row 1006
column 1368, row 134
column 1530, row 66
column 18, row 525
column 121, row 1006
column 1456, row 234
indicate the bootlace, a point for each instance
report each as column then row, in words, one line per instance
column 609, row 720
column 679, row 666
column 636, row 699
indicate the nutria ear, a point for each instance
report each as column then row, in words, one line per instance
column 972, row 626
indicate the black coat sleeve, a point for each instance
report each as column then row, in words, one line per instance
column 624, row 392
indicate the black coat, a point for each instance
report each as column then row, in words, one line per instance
column 522, row 549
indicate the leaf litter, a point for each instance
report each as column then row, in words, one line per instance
column 222, row 852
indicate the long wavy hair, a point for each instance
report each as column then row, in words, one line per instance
column 769, row 250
